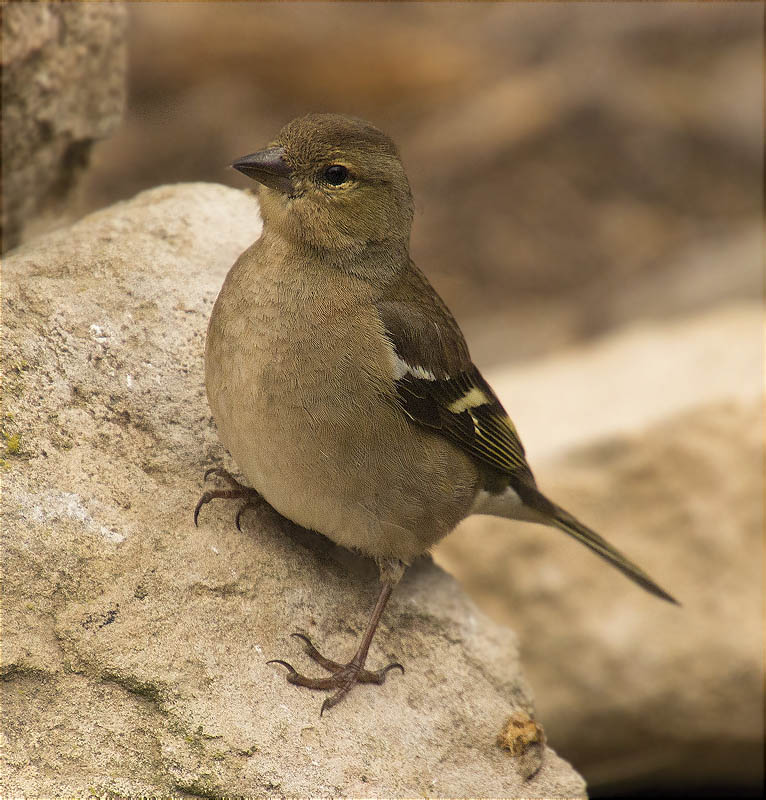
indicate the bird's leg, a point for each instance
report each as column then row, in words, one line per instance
column 344, row 676
column 252, row 499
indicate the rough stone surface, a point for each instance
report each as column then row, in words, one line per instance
column 134, row 645
column 631, row 689
column 63, row 86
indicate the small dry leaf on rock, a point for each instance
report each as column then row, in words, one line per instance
column 523, row 737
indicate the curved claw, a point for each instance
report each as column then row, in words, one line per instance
column 209, row 472
column 290, row 667
column 206, row 498
column 305, row 639
column 239, row 516
column 392, row 665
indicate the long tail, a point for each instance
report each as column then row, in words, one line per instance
column 556, row 516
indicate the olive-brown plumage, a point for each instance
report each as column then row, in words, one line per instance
column 341, row 384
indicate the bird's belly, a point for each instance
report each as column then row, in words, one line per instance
column 286, row 454
column 310, row 443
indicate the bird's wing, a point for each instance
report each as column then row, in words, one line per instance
column 438, row 386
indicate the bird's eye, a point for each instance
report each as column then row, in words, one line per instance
column 335, row 174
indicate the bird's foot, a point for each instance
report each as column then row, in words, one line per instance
column 343, row 676
column 252, row 499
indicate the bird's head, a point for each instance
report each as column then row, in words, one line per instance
column 333, row 183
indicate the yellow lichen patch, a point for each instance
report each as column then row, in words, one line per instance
column 12, row 443
column 10, row 435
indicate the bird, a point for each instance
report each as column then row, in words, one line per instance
column 343, row 387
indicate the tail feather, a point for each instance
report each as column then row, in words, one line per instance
column 564, row 521
column 554, row 515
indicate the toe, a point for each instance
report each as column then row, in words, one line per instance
column 334, row 699
column 315, row 655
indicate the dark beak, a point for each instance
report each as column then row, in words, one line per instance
column 269, row 168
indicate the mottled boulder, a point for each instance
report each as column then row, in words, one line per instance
column 134, row 644
column 63, row 87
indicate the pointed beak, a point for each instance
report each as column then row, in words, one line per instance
column 269, row 168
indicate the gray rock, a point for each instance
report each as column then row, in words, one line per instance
column 63, row 86
column 134, row 645
column 631, row 689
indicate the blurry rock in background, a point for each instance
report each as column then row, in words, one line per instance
column 570, row 162
column 63, row 86
column 668, row 469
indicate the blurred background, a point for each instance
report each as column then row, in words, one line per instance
column 566, row 159
column 588, row 181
